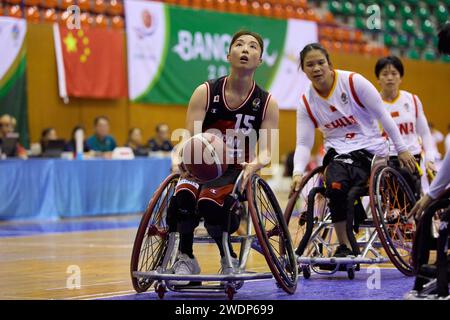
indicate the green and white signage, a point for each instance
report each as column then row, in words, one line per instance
column 172, row 50
column 13, row 82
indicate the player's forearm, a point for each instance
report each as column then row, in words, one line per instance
column 427, row 140
column 430, row 154
column 381, row 114
column 371, row 99
column 305, row 141
column 392, row 130
column 442, row 179
column 263, row 158
column 375, row 105
column 301, row 159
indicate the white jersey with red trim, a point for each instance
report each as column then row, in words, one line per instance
column 346, row 125
column 348, row 118
column 407, row 112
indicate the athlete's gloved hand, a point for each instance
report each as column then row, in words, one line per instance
column 295, row 185
column 431, row 169
column 178, row 167
column 420, row 206
column 249, row 169
column 407, row 160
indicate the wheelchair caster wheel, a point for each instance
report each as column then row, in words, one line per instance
column 351, row 273
column 160, row 290
column 230, row 291
column 306, row 272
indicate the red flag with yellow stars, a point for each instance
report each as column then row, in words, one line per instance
column 91, row 62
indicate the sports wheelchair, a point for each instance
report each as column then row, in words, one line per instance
column 155, row 249
column 386, row 202
column 432, row 235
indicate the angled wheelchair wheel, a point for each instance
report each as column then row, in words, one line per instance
column 428, row 229
column 391, row 200
column 296, row 215
column 272, row 233
column 432, row 277
column 151, row 238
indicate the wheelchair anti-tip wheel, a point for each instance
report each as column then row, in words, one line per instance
column 391, row 199
column 272, row 233
column 151, row 238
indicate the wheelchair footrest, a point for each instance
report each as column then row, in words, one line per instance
column 154, row 275
column 340, row 261
column 337, row 267
column 190, row 285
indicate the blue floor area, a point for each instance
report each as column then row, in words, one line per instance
column 26, row 229
column 392, row 285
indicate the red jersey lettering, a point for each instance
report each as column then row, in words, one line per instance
column 341, row 122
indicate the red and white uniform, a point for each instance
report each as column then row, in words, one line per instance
column 407, row 112
column 348, row 118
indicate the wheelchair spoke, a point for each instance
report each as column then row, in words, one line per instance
column 148, row 256
column 266, row 211
column 262, row 199
column 392, row 202
column 144, row 254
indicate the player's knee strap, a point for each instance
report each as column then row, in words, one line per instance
column 337, row 204
column 216, row 215
column 335, row 193
column 186, row 202
column 181, row 215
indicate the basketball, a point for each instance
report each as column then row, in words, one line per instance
column 204, row 157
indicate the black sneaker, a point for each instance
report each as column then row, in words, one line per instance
column 343, row 251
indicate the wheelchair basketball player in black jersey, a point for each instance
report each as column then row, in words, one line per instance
column 233, row 102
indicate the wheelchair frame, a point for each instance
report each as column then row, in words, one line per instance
column 432, row 280
column 315, row 239
column 161, row 271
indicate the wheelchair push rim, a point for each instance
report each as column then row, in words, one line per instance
column 272, row 233
column 394, row 230
column 151, row 238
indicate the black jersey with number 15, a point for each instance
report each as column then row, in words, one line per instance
column 239, row 126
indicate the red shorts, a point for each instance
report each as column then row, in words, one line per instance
column 215, row 190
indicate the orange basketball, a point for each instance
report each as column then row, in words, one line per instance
column 204, row 157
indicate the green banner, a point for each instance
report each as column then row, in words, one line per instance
column 172, row 50
column 13, row 86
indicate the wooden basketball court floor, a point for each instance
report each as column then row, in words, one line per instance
column 43, row 259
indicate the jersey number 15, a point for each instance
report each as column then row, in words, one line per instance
column 247, row 125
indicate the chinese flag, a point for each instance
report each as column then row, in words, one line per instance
column 91, row 62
